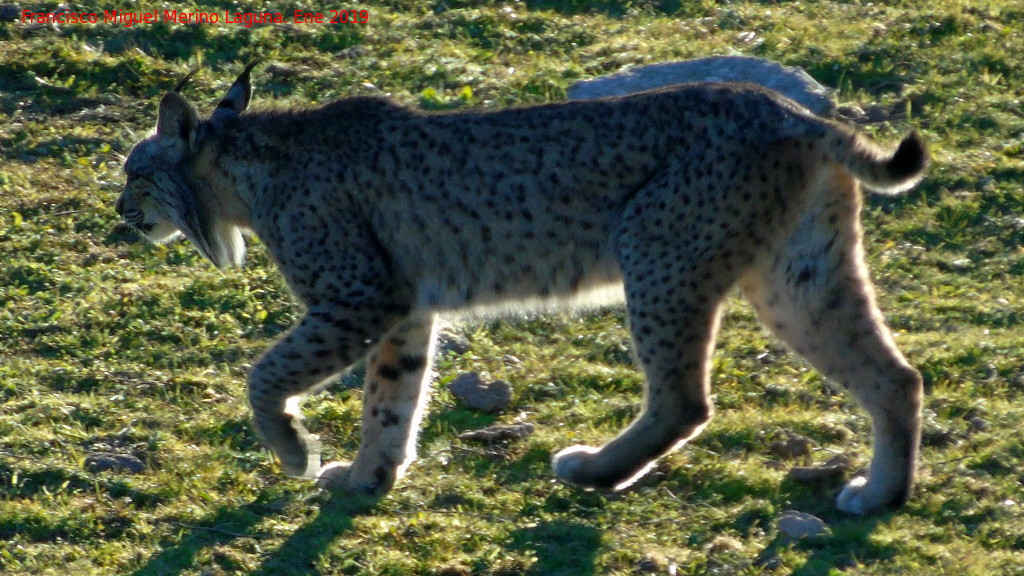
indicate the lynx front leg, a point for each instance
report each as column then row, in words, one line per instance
column 324, row 343
column 395, row 394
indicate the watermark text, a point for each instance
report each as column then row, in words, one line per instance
column 246, row 19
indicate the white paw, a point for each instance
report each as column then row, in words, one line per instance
column 334, row 477
column 301, row 465
column 567, row 463
column 854, row 498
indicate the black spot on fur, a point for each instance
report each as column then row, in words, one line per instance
column 389, row 419
column 388, row 372
column 411, row 363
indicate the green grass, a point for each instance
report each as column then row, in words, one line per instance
column 111, row 345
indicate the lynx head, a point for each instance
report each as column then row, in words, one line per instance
column 166, row 193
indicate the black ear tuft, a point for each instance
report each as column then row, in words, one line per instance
column 185, row 80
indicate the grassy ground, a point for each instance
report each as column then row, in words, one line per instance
column 112, row 346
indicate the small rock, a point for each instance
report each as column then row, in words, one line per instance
column 876, row 113
column 776, row 392
column 455, row 343
column 851, row 112
column 108, row 462
column 285, row 70
column 960, row 264
column 471, row 390
column 768, row 562
column 835, row 468
column 797, row 525
column 935, row 435
column 499, row 433
column 991, row 371
column 722, row 543
column 10, row 12
column 655, row 563
column 978, row 423
column 357, row 51
column 454, row 570
column 793, row 447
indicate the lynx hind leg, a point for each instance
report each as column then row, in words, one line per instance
column 816, row 295
column 676, row 408
column 324, row 343
column 673, row 300
column 395, row 393
column 676, row 402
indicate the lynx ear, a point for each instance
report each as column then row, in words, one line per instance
column 178, row 119
column 237, row 98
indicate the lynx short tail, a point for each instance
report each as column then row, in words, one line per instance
column 883, row 171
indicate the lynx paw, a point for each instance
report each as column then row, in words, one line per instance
column 851, row 500
column 302, row 459
column 288, row 439
column 859, row 498
column 342, row 477
column 568, row 464
column 334, row 477
column 584, row 465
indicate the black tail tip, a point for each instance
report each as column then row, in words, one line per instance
column 910, row 159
